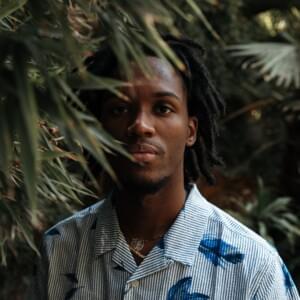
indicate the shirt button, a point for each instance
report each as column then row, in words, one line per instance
column 135, row 283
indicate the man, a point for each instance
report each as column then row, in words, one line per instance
column 154, row 236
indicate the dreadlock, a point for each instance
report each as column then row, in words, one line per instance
column 204, row 102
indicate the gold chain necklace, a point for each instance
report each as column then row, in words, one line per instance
column 136, row 245
column 137, row 253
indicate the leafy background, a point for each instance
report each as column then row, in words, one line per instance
column 46, row 133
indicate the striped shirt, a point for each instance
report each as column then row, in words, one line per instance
column 206, row 254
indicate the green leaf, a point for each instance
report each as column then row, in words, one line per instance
column 197, row 10
column 21, row 226
column 262, row 229
column 155, row 36
column 275, row 61
column 27, row 122
column 10, row 7
column 91, row 82
column 50, row 155
column 284, row 226
column 277, row 206
column 5, row 139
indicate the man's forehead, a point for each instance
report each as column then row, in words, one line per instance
column 156, row 69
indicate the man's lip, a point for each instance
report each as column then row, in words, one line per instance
column 142, row 148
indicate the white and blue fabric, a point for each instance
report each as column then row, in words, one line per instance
column 206, row 254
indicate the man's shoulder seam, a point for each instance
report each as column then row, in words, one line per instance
column 84, row 213
column 253, row 236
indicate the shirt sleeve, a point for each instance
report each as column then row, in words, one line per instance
column 276, row 282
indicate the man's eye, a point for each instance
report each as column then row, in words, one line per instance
column 118, row 110
column 163, row 109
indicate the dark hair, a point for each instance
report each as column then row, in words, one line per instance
column 204, row 101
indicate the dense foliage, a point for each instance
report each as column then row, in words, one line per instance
column 45, row 131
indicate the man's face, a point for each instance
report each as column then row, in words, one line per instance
column 154, row 125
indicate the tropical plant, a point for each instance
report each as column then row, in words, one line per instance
column 45, row 131
column 41, row 44
column 270, row 216
column 278, row 58
column 280, row 61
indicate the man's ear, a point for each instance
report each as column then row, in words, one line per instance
column 192, row 131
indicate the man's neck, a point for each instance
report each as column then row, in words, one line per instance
column 149, row 215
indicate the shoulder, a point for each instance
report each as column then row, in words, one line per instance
column 235, row 241
column 231, row 245
column 220, row 223
column 76, row 224
column 258, row 254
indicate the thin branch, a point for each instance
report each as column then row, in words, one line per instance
column 247, row 108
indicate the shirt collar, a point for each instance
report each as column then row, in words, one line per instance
column 180, row 243
column 107, row 228
column 182, row 240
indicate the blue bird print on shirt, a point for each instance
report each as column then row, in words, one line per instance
column 94, row 225
column 53, row 231
column 181, row 291
column 288, row 281
column 119, row 268
column 219, row 252
column 73, row 279
column 71, row 293
column 161, row 244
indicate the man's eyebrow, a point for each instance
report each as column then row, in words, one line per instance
column 165, row 94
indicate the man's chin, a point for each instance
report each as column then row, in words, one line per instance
column 143, row 185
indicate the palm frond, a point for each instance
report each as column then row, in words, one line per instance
column 41, row 44
column 275, row 61
column 10, row 7
column 269, row 215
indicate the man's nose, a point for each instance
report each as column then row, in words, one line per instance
column 142, row 125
